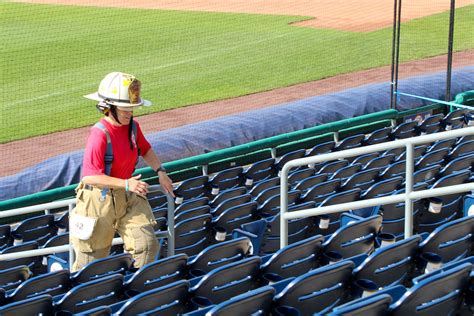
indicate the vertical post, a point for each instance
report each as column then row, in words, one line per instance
column 394, row 36
column 408, row 189
column 450, row 50
column 283, row 206
column 397, row 54
column 170, row 225
column 72, row 255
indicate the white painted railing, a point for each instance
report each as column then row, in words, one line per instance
column 169, row 234
column 406, row 197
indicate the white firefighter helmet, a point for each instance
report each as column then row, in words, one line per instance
column 119, row 89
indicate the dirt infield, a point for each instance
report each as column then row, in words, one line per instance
column 347, row 14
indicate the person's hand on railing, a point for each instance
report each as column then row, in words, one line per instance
column 166, row 183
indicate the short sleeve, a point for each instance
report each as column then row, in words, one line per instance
column 93, row 163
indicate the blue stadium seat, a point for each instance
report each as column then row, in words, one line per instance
column 293, row 260
column 299, row 175
column 188, row 214
column 265, row 233
column 10, row 278
column 390, row 265
column 39, row 229
column 394, row 214
column 430, row 125
column 321, row 191
column 418, row 151
column 260, row 170
column 192, row 235
column 365, row 158
column 105, row 291
column 458, row 164
column 398, row 152
column 322, row 148
column 271, row 206
column 61, row 221
column 331, row 167
column 432, row 158
column 442, row 269
column 310, row 182
column 114, row 264
column 157, row 274
column 280, row 162
column 451, row 241
column 33, row 263
column 267, row 193
column 378, row 136
column 53, row 283
column 317, row 291
column 256, row 302
column 5, row 237
column 235, row 216
column 441, row 294
column 380, row 162
column 462, row 149
column 439, row 144
column 263, row 185
column 404, row 130
column 337, row 198
column 58, row 240
column 372, row 305
column 350, row 142
column 454, row 119
column 427, row 174
column 229, row 203
column 187, row 205
column 226, row 179
column 362, row 180
column 382, row 188
column 157, row 199
column 227, row 194
column 451, row 204
column 192, row 188
column 354, row 239
column 229, row 280
column 38, row 305
column 397, row 168
column 346, row 172
column 171, row 299
column 218, row 255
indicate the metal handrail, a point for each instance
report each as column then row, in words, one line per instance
column 169, row 234
column 407, row 197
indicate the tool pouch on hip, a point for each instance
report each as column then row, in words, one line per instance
column 81, row 227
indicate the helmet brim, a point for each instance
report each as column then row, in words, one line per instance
column 95, row 96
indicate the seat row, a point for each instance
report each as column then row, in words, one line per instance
column 300, row 284
column 391, row 263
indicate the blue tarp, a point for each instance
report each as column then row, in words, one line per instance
column 227, row 131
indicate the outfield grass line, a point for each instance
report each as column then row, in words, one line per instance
column 149, row 70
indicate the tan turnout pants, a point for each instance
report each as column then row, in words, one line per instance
column 124, row 212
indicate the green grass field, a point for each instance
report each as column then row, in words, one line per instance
column 52, row 55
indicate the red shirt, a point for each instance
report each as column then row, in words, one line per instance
column 123, row 164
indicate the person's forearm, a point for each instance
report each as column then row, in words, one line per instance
column 104, row 181
column 152, row 159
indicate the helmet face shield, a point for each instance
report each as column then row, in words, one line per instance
column 134, row 91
